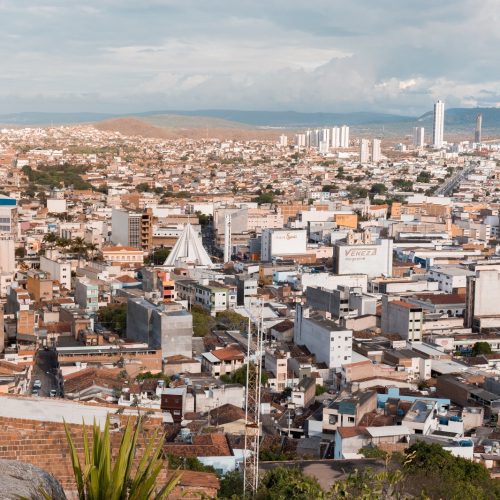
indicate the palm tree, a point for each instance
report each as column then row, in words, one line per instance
column 92, row 248
column 98, row 479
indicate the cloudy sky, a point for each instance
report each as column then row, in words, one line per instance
column 394, row 56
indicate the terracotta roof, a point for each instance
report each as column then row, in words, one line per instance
column 442, row 298
column 126, row 279
column 228, row 354
column 88, row 377
column 283, row 326
column 203, row 445
column 226, row 413
column 348, row 432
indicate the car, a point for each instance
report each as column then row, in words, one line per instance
column 37, row 384
column 53, row 393
column 35, row 392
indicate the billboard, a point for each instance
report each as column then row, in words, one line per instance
column 291, row 242
column 373, row 260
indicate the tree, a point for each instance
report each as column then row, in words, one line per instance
column 403, row 184
column 114, row 316
column 283, row 483
column 232, row 320
column 20, row 252
column 231, row 486
column 98, row 478
column 320, row 389
column 187, row 463
column 378, row 188
column 142, row 187
column 203, row 323
column 159, row 256
column 481, row 348
column 424, row 177
column 264, row 198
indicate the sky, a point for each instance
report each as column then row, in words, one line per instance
column 120, row 56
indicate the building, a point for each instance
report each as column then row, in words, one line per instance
column 123, row 255
column 304, row 392
column 364, row 151
column 451, row 279
column 361, row 255
column 188, row 251
column 132, row 229
column 214, row 297
column 344, row 136
column 168, row 326
column 376, row 150
column 59, row 269
column 419, row 137
column 479, row 126
column 87, row 294
column 329, row 343
column 246, row 288
column 39, row 285
column 7, row 254
column 402, row 318
column 283, row 243
column 222, row 361
column 481, row 303
column 438, row 125
column 8, row 212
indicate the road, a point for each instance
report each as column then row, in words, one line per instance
column 448, row 188
column 45, row 369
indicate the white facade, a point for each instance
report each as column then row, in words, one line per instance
column 58, row 270
column 344, row 136
column 278, row 242
column 364, row 151
column 419, row 137
column 56, row 206
column 328, row 342
column 376, row 150
column 370, row 259
column 438, row 125
column 7, row 254
column 335, row 137
column 450, row 278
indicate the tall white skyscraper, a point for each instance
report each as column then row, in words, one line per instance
column 419, row 137
column 364, row 151
column 325, row 136
column 283, row 142
column 438, row 125
column 376, row 151
column 308, row 138
column 344, row 136
column 300, row 140
column 335, row 137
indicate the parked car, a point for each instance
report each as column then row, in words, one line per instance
column 53, row 393
column 37, row 384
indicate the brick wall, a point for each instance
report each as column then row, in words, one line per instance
column 44, row 444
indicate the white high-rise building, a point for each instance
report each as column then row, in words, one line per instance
column 364, row 151
column 325, row 136
column 335, row 137
column 419, row 137
column 376, row 151
column 438, row 125
column 300, row 140
column 316, row 138
column 308, row 138
column 323, row 147
column 344, row 136
column 283, row 142
column 7, row 253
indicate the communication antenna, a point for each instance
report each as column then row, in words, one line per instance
column 252, row 407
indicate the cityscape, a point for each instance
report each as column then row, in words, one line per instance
column 244, row 304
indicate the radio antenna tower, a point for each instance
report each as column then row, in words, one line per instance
column 252, row 408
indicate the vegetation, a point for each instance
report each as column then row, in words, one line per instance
column 158, row 256
column 57, row 175
column 203, row 323
column 373, row 452
column 149, row 375
column 231, row 486
column 232, row 320
column 283, row 483
column 356, row 191
column 403, row 184
column 320, row 389
column 378, row 188
column 114, row 317
column 239, row 376
column 424, row 177
column 275, row 454
column 97, row 478
column 481, row 348
column 187, row 463
column 264, row 197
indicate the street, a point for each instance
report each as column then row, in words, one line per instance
column 45, row 370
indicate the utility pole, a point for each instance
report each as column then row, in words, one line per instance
column 252, row 408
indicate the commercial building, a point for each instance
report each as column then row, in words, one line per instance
column 481, row 303
column 363, row 256
column 123, row 255
column 402, row 318
column 7, row 254
column 39, row 285
column 376, row 150
column 283, row 243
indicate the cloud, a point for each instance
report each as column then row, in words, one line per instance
column 324, row 55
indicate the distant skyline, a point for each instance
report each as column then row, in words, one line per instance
column 120, row 56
